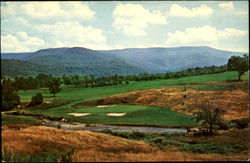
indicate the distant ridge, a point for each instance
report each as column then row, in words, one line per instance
column 159, row 59
column 83, row 61
column 60, row 61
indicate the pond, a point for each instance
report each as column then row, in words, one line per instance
column 103, row 127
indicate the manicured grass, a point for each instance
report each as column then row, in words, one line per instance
column 215, row 86
column 20, row 120
column 138, row 115
column 100, row 92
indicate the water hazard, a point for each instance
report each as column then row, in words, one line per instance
column 103, row 127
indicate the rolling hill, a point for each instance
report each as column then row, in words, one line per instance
column 83, row 61
column 59, row 61
column 159, row 60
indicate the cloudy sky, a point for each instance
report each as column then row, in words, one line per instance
column 30, row 26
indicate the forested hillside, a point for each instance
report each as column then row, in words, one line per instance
column 83, row 61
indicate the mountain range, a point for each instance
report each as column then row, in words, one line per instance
column 132, row 61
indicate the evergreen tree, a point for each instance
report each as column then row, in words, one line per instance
column 36, row 100
column 10, row 98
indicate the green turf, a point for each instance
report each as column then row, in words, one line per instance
column 135, row 114
column 100, row 92
column 215, row 86
column 141, row 115
column 20, row 120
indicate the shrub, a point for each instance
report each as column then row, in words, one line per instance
column 161, row 142
column 212, row 148
column 138, row 135
column 224, row 125
column 174, row 134
column 36, row 100
column 242, row 123
column 128, row 134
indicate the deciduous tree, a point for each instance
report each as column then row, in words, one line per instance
column 67, row 80
column 54, row 86
column 239, row 64
column 209, row 116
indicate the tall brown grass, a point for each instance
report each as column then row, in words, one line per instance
column 235, row 102
column 91, row 146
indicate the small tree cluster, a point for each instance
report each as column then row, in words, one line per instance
column 36, row 100
column 209, row 116
column 10, row 98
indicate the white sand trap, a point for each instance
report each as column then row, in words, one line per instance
column 116, row 114
column 104, row 106
column 79, row 114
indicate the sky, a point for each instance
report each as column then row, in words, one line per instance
column 105, row 25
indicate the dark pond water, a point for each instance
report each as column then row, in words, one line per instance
column 102, row 127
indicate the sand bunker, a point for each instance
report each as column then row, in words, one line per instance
column 104, row 106
column 79, row 114
column 116, row 114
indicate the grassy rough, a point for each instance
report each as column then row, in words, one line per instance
column 163, row 141
column 40, row 157
column 18, row 120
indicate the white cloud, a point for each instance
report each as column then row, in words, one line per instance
column 22, row 35
column 228, row 32
column 71, row 31
column 230, row 48
column 132, row 19
column 42, row 9
column 10, row 9
column 204, row 33
column 49, row 10
column 228, row 5
column 20, row 43
column 178, row 10
column 77, row 9
column 241, row 12
column 103, row 46
column 56, row 23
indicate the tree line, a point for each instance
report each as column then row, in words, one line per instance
column 178, row 74
column 49, row 81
